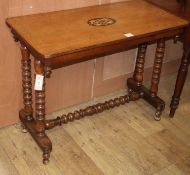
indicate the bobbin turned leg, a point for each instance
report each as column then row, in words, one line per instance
column 135, row 83
column 156, row 74
column 139, row 66
column 137, row 79
column 40, row 100
column 157, row 67
column 35, row 127
column 40, row 110
column 27, row 86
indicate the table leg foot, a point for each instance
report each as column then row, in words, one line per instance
column 173, row 106
column 43, row 141
column 46, row 156
column 155, row 101
column 23, row 128
column 172, row 113
column 158, row 114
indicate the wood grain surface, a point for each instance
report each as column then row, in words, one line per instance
column 57, row 33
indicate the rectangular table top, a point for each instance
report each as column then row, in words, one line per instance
column 61, row 32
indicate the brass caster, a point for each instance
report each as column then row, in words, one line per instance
column 157, row 116
column 46, row 157
column 45, row 162
column 24, row 130
column 141, row 94
column 130, row 91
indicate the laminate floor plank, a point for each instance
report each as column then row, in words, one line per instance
column 110, row 132
column 140, row 120
column 171, row 170
column 24, row 153
column 70, row 157
column 93, row 142
column 169, row 145
column 176, row 130
column 6, row 166
column 184, row 165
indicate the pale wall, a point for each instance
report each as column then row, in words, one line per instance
column 69, row 85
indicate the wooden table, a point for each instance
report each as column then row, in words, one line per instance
column 180, row 8
column 62, row 38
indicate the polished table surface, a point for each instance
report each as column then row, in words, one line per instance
column 59, row 33
column 61, row 38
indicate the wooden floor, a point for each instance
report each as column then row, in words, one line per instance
column 122, row 141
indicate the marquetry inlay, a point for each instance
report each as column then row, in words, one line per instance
column 101, row 21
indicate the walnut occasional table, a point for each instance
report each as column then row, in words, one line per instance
column 62, row 38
